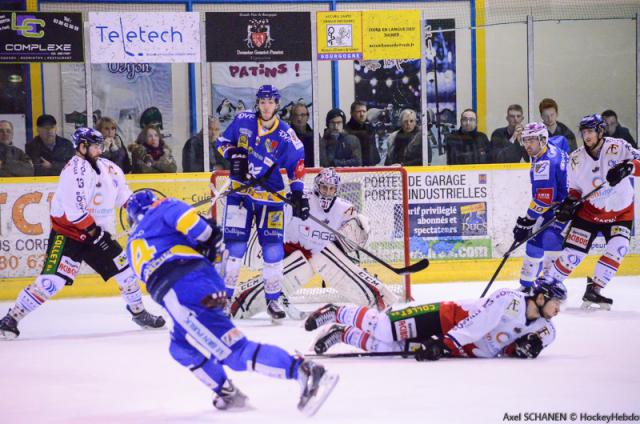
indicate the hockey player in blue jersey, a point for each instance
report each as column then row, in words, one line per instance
column 257, row 145
column 548, row 176
column 166, row 250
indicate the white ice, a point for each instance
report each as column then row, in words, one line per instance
column 84, row 361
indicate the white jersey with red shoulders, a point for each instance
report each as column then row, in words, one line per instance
column 84, row 197
column 610, row 204
column 310, row 235
column 494, row 323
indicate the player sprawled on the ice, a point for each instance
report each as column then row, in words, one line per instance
column 507, row 323
column 166, row 249
column 257, row 145
column 310, row 249
column 608, row 212
column 548, row 177
column 82, row 214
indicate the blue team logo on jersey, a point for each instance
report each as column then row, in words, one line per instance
column 541, row 170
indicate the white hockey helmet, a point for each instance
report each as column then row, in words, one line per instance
column 536, row 129
column 327, row 177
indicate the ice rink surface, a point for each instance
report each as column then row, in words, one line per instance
column 84, row 361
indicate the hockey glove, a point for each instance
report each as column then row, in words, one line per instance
column 432, row 350
column 299, row 204
column 619, row 172
column 215, row 300
column 528, row 346
column 567, row 208
column 239, row 163
column 523, row 228
column 212, row 246
column 100, row 239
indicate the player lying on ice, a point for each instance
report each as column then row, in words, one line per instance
column 507, row 323
column 310, row 249
column 166, row 249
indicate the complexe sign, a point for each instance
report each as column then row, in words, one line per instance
column 145, row 37
column 40, row 37
column 258, row 36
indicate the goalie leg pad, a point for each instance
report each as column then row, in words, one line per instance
column 350, row 280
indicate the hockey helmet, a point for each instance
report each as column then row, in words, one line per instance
column 268, row 91
column 551, row 289
column 87, row 136
column 593, row 122
column 138, row 205
column 330, row 178
column 533, row 129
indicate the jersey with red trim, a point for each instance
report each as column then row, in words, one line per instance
column 548, row 176
column 277, row 146
column 84, row 197
column 311, row 236
column 610, row 204
column 492, row 325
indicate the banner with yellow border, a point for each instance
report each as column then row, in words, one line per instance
column 339, row 35
column 391, row 34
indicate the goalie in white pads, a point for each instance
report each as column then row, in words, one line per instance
column 311, row 249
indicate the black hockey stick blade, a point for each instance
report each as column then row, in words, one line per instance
column 361, row 355
column 414, row 267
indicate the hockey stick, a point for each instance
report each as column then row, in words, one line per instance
column 546, row 225
column 415, row 267
column 404, row 354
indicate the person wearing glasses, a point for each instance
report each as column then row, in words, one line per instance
column 299, row 121
column 467, row 145
column 337, row 148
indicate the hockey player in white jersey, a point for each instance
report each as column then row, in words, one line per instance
column 508, row 323
column 609, row 211
column 82, row 217
column 310, row 249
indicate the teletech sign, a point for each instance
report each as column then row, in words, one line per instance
column 40, row 37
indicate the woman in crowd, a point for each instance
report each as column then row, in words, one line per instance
column 114, row 148
column 150, row 154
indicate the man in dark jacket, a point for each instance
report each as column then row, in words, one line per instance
column 299, row 121
column 193, row 153
column 549, row 112
column 615, row 130
column 359, row 127
column 337, row 148
column 49, row 153
column 13, row 161
column 467, row 145
column 506, row 142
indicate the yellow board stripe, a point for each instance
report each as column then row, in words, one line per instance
column 187, row 221
column 481, row 66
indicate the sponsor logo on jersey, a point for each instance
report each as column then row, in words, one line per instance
column 275, row 220
column 541, row 170
column 406, row 329
column 502, row 337
column 53, row 258
column 544, row 195
column 232, row 336
column 612, row 150
column 243, row 142
column 298, row 172
column 267, row 161
column 271, row 145
column 120, row 261
column 48, row 286
column 619, row 230
column 68, row 267
column 296, row 141
column 579, row 238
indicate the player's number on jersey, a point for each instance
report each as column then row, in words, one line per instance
column 141, row 253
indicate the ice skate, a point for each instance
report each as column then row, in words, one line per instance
column 526, row 290
column 146, row 320
column 317, row 384
column 9, row 328
column 275, row 311
column 229, row 396
column 333, row 335
column 320, row 317
column 592, row 299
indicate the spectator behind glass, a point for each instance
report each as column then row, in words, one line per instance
column 467, row 145
column 49, row 153
column 337, row 148
column 193, row 153
column 549, row 112
column 405, row 145
column 13, row 161
column 359, row 127
column 150, row 154
column 506, row 142
column 300, row 123
column 114, row 148
column 615, row 130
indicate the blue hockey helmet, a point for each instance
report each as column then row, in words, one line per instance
column 593, row 122
column 551, row 289
column 138, row 205
column 268, row 91
column 87, row 136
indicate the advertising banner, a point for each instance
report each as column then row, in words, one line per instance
column 41, row 37
column 145, row 37
column 258, row 36
column 339, row 35
column 391, row 34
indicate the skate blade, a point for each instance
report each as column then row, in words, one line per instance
column 295, row 313
column 7, row 335
column 325, row 387
column 592, row 306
